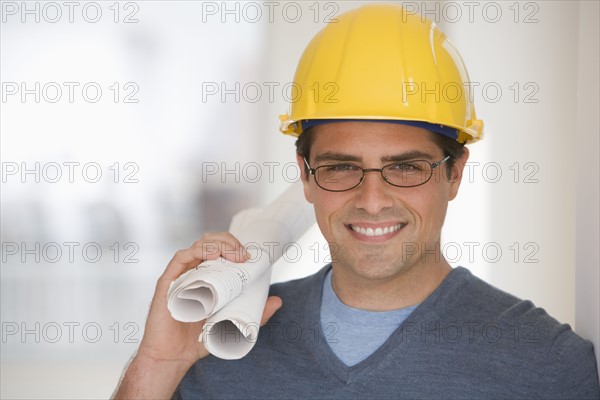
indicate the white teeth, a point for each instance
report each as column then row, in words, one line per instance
column 376, row 231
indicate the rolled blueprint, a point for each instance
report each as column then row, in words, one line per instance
column 231, row 296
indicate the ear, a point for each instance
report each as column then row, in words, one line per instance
column 457, row 173
column 304, row 177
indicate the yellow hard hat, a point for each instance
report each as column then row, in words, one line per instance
column 380, row 63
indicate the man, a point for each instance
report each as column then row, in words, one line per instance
column 389, row 317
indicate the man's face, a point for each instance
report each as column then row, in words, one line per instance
column 409, row 219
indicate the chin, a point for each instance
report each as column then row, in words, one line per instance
column 375, row 268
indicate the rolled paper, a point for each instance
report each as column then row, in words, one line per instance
column 231, row 296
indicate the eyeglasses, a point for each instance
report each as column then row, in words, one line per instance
column 340, row 177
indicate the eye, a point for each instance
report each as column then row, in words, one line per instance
column 406, row 167
column 339, row 168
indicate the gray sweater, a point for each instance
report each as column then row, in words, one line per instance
column 467, row 340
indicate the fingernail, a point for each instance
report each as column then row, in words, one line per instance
column 244, row 254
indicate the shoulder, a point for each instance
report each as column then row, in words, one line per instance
column 520, row 334
column 464, row 295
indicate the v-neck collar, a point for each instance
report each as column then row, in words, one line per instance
column 325, row 358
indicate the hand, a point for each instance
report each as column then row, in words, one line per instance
column 168, row 339
column 169, row 347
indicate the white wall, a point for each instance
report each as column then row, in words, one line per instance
column 587, row 300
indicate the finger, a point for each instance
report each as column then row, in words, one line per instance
column 222, row 244
column 182, row 261
column 273, row 304
column 210, row 247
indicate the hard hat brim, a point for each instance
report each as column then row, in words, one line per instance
column 447, row 131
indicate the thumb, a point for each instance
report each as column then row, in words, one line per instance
column 273, row 304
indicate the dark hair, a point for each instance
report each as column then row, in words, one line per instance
column 449, row 147
column 303, row 145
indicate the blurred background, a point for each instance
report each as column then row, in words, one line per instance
column 128, row 129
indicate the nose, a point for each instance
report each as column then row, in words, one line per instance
column 373, row 194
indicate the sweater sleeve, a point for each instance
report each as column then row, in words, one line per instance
column 571, row 368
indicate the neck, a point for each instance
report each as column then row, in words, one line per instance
column 406, row 288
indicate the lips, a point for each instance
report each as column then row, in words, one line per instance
column 376, row 231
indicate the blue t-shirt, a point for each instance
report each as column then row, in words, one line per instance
column 355, row 334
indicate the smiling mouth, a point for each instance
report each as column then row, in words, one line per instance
column 379, row 231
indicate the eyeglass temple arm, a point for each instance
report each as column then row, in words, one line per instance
column 310, row 170
column 437, row 164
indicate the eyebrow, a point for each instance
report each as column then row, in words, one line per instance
column 409, row 155
column 333, row 156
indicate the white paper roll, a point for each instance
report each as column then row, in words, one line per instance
column 232, row 296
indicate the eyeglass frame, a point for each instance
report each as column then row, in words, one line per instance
column 433, row 166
